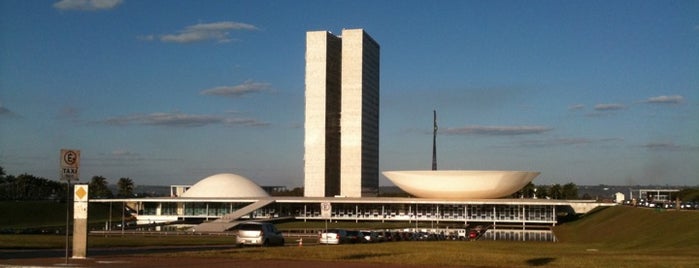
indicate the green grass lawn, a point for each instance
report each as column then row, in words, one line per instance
column 14, row 241
column 634, row 228
column 49, row 215
column 472, row 254
column 609, row 237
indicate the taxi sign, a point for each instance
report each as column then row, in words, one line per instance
column 325, row 210
column 70, row 164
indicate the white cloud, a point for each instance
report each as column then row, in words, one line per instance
column 122, row 152
column 179, row 120
column 87, row 5
column 566, row 142
column 669, row 146
column 496, row 130
column 609, row 107
column 674, row 99
column 217, row 31
column 248, row 87
column 576, row 107
column 244, row 122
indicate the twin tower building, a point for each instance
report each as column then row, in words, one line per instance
column 341, row 143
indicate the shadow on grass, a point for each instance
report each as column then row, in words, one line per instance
column 540, row 261
column 360, row 256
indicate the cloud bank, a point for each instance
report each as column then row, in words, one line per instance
column 668, row 146
column 180, row 120
column 87, row 5
column 248, row 87
column 576, row 107
column 201, row 32
column 497, row 130
column 674, row 99
column 566, row 142
column 609, row 107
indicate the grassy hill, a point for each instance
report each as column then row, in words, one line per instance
column 625, row 227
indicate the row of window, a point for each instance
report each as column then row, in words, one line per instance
column 365, row 211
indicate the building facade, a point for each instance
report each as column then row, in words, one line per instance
column 322, row 115
column 342, row 114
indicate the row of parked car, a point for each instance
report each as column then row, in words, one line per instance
column 341, row 236
column 266, row 234
column 665, row 204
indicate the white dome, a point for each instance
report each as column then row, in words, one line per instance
column 460, row 184
column 225, row 185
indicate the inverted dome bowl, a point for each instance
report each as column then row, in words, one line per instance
column 460, row 184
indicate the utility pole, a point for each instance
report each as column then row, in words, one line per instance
column 434, row 142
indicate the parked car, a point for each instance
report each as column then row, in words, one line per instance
column 333, row 236
column 368, row 236
column 258, row 234
column 353, row 236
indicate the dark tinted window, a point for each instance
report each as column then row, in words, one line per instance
column 250, row 227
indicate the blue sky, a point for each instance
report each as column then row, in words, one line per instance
column 170, row 92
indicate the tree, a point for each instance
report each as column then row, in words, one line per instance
column 555, row 191
column 98, row 188
column 125, row 187
column 570, row 191
column 526, row 192
column 542, row 191
column 689, row 194
column 29, row 187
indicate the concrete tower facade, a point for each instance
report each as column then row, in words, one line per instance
column 342, row 114
column 359, row 169
column 322, row 118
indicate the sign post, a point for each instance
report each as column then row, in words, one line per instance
column 69, row 165
column 80, row 221
column 326, row 213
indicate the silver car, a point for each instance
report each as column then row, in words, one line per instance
column 258, row 234
column 333, row 236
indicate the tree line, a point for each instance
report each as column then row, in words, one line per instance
column 25, row 187
column 568, row 191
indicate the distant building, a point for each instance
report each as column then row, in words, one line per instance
column 657, row 195
column 274, row 189
column 619, row 198
column 341, row 115
column 178, row 190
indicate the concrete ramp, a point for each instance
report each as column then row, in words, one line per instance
column 230, row 220
column 585, row 207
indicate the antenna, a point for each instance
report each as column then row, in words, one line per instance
column 434, row 142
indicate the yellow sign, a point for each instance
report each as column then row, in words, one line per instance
column 80, row 201
column 80, row 192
